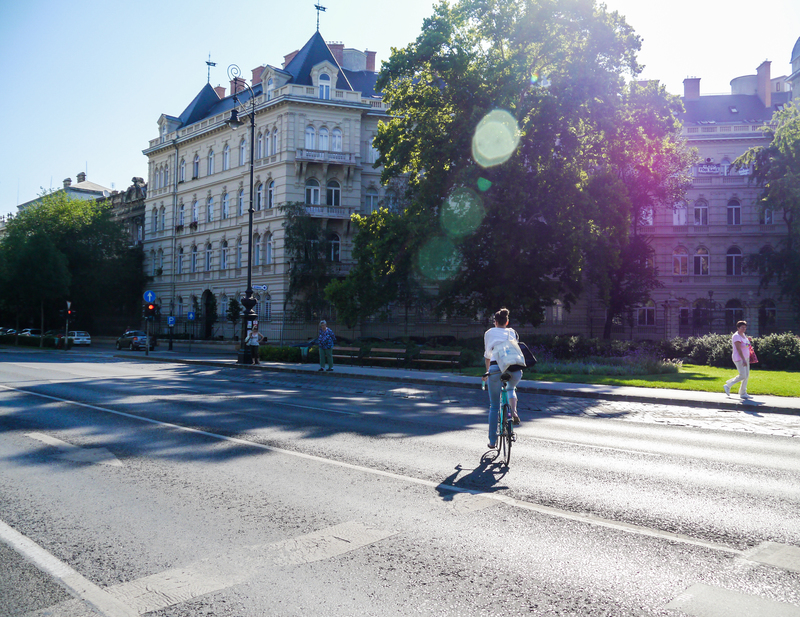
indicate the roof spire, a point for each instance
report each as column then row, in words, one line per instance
column 320, row 9
column 210, row 64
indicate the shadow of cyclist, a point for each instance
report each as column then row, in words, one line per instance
column 483, row 479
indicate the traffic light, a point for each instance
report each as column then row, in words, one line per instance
column 71, row 314
column 149, row 310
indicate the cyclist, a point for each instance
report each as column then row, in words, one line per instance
column 491, row 339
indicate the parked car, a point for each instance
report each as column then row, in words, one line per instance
column 8, row 331
column 134, row 340
column 31, row 332
column 79, row 337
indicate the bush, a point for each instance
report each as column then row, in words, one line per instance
column 711, row 349
column 778, row 351
column 268, row 353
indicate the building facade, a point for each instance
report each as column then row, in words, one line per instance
column 316, row 117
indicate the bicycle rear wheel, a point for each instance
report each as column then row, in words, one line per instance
column 505, row 434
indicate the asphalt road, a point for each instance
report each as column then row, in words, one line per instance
column 151, row 488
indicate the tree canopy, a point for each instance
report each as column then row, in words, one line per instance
column 502, row 114
column 776, row 169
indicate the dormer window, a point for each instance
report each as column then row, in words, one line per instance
column 325, row 86
column 270, row 88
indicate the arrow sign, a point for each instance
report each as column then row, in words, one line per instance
column 95, row 456
column 149, row 296
column 261, row 287
column 190, row 315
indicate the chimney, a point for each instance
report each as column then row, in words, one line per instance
column 289, row 57
column 81, row 177
column 337, row 49
column 371, row 61
column 691, row 89
column 764, row 91
column 67, row 182
column 237, row 85
column 220, row 90
column 257, row 73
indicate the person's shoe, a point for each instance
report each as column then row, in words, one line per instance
column 515, row 420
column 727, row 389
column 330, row 369
column 745, row 396
column 320, row 369
column 491, row 446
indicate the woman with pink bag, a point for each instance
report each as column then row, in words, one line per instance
column 741, row 355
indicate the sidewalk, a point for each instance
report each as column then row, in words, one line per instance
column 682, row 398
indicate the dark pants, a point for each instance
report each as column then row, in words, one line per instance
column 254, row 354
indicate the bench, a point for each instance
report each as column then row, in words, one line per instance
column 428, row 357
column 346, row 353
column 387, row 354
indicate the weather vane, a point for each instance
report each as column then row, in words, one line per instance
column 320, row 9
column 210, row 64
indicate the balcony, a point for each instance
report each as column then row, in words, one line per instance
column 329, row 212
column 325, row 156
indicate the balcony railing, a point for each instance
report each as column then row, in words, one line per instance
column 326, row 156
column 331, row 212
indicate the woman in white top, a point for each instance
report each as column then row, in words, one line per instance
column 254, row 339
column 491, row 340
column 741, row 358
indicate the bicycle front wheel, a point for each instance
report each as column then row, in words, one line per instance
column 505, row 434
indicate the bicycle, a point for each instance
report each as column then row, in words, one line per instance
column 505, row 425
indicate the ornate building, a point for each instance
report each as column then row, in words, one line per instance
column 316, row 117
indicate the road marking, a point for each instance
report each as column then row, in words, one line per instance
column 707, row 601
column 587, row 445
column 70, row 452
column 778, row 555
column 69, row 578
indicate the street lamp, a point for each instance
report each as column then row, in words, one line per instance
column 248, row 302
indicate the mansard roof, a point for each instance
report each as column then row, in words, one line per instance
column 729, row 108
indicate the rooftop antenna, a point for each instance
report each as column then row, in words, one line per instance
column 210, row 64
column 320, row 9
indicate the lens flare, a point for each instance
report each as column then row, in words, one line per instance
column 484, row 185
column 534, row 78
column 462, row 213
column 495, row 139
column 438, row 259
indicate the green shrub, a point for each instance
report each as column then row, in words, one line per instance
column 269, row 353
column 778, row 351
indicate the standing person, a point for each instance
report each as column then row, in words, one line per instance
column 492, row 339
column 741, row 358
column 254, row 339
column 325, row 340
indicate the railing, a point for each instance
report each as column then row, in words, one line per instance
column 335, row 212
column 325, row 156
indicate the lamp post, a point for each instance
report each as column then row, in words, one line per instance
column 248, row 302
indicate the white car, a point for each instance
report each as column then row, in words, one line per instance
column 79, row 337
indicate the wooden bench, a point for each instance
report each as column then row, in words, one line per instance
column 428, row 357
column 346, row 353
column 386, row 354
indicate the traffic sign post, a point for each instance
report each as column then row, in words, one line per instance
column 171, row 324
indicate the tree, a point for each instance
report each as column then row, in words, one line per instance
column 515, row 101
column 234, row 313
column 307, row 248
column 776, row 169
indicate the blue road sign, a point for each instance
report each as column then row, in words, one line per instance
column 190, row 315
column 149, row 296
column 170, row 321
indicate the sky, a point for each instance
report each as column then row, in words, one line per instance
column 84, row 82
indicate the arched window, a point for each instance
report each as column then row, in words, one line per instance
column 646, row 315
column 311, row 138
column 181, row 212
column 371, row 201
column 733, row 262
column 162, row 215
column 766, row 217
column 767, row 317
column 265, row 308
column 336, row 140
column 226, row 205
column 733, row 313
column 179, row 306
column 734, row 212
column 210, row 210
column 256, row 250
column 157, row 178
column 325, row 86
column 333, row 194
column 194, row 212
column 335, row 248
column 182, row 172
column 208, row 257
column 259, row 146
column 700, row 213
column 242, row 151
column 312, row 192
column 259, row 197
column 210, row 162
column 153, row 262
column 226, row 158
column 155, row 220
column 680, row 214
column 196, row 167
column 271, row 194
column 240, row 202
column 270, row 88
column 268, row 247
column 680, row 261
column 166, row 175
column 239, row 252
column 161, row 259
column 223, row 262
column 725, row 164
column 323, row 139
column 274, row 138
column 179, row 264
column 701, row 261
column 194, row 259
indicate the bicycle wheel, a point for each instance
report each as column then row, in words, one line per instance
column 505, row 434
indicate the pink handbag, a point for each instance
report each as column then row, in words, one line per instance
column 753, row 357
